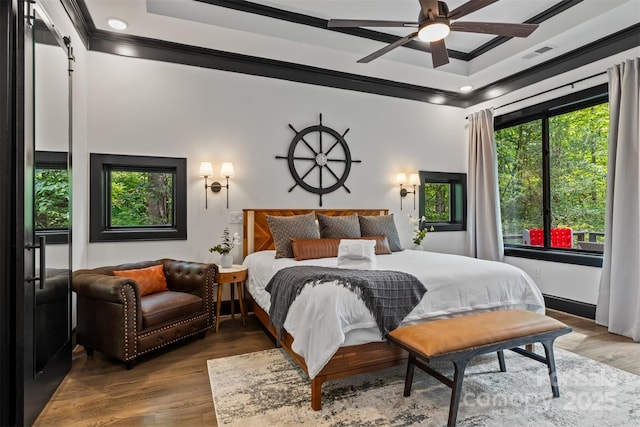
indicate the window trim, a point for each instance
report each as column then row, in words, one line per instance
column 100, row 167
column 583, row 99
column 453, row 179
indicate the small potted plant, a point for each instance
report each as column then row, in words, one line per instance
column 224, row 248
column 419, row 231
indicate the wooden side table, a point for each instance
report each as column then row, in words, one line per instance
column 234, row 275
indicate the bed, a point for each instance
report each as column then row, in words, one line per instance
column 455, row 285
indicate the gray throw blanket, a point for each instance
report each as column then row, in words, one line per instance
column 389, row 295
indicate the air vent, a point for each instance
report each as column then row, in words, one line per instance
column 543, row 49
column 538, row 51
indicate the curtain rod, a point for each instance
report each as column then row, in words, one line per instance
column 548, row 90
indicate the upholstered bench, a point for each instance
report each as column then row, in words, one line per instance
column 459, row 339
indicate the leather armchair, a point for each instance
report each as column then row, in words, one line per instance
column 115, row 320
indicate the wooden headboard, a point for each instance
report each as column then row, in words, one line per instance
column 256, row 235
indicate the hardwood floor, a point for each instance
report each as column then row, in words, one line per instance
column 171, row 387
column 595, row 342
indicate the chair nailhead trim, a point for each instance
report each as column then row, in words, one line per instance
column 207, row 316
column 176, row 339
column 123, row 291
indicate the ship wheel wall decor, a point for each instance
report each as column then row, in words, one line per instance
column 319, row 159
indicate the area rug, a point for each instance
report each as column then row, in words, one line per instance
column 267, row 388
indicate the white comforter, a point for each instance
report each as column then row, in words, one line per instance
column 326, row 317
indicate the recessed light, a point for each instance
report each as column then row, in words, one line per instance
column 466, row 88
column 117, row 24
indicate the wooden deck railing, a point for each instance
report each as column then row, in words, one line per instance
column 594, row 239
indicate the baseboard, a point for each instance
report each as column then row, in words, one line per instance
column 570, row 306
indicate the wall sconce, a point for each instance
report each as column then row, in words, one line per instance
column 414, row 180
column 206, row 170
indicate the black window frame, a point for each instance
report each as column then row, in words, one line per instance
column 53, row 160
column 576, row 101
column 100, row 229
column 457, row 201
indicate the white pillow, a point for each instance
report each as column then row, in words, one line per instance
column 357, row 254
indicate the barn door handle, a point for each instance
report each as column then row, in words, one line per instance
column 42, row 242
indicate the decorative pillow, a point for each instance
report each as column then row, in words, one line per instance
column 284, row 228
column 150, row 280
column 328, row 248
column 357, row 254
column 341, row 227
column 381, row 225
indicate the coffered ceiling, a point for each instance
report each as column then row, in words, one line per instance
column 294, row 34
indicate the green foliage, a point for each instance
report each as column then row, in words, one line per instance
column 437, row 202
column 228, row 242
column 51, row 198
column 137, row 198
column 141, row 198
column 420, row 229
column 578, row 144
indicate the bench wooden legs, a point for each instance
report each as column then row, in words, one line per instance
column 503, row 366
column 455, row 384
column 408, row 379
column 456, row 390
column 551, row 363
column 461, row 359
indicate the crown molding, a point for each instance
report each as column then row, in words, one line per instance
column 160, row 50
column 607, row 46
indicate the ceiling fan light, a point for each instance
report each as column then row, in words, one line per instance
column 433, row 32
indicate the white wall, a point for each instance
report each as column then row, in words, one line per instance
column 142, row 107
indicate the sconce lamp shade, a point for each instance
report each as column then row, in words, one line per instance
column 414, row 180
column 227, row 170
column 206, row 169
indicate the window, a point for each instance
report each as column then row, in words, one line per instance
column 51, row 181
column 137, row 198
column 552, row 173
column 443, row 200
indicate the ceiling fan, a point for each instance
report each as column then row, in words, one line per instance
column 434, row 24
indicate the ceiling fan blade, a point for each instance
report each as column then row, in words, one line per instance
column 337, row 23
column 429, row 4
column 388, row 48
column 468, row 7
column 439, row 53
column 497, row 28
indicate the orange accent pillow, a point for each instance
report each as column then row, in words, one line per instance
column 328, row 248
column 150, row 280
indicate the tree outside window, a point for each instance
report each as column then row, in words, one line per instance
column 141, row 198
column 137, row 198
column 552, row 172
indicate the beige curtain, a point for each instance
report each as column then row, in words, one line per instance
column 619, row 297
column 484, row 226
